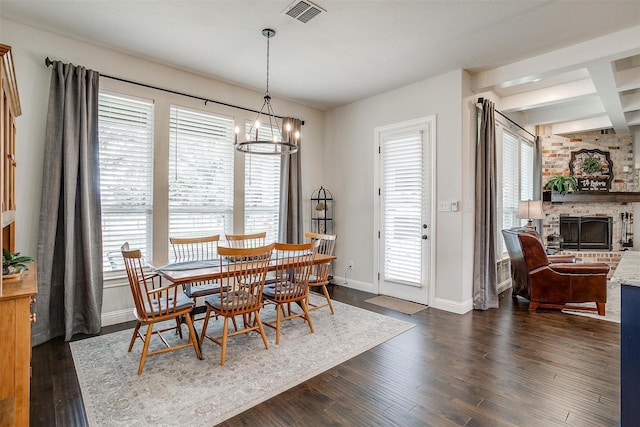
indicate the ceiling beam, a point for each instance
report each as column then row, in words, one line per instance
column 547, row 96
column 603, row 76
column 613, row 46
column 593, row 123
column 573, row 110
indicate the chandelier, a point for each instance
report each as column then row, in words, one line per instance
column 270, row 141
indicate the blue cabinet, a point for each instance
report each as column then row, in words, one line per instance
column 630, row 356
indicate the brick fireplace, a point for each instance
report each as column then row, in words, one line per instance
column 556, row 155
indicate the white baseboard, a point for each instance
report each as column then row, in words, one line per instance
column 119, row 316
column 355, row 284
column 452, row 306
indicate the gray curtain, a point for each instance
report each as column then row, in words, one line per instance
column 485, row 287
column 291, row 225
column 69, row 297
column 537, row 177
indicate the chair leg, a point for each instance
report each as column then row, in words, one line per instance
column 179, row 326
column 306, row 315
column 192, row 336
column 278, row 320
column 135, row 335
column 326, row 295
column 145, row 347
column 204, row 326
column 601, row 308
column 225, row 335
column 261, row 329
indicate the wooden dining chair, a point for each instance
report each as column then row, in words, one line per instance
column 290, row 282
column 155, row 303
column 320, row 272
column 253, row 240
column 197, row 249
column 240, row 295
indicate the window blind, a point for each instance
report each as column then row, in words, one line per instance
column 402, row 207
column 200, row 173
column 262, row 190
column 125, row 132
column 517, row 178
column 526, row 170
column 510, row 181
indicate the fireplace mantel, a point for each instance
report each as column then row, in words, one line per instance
column 592, row 197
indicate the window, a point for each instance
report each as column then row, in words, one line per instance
column 262, row 190
column 200, row 173
column 125, row 131
column 192, row 191
column 517, row 178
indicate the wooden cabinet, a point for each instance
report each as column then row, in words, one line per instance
column 16, row 296
column 9, row 110
column 16, row 316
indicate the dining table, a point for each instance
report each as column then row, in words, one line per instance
column 201, row 271
column 182, row 273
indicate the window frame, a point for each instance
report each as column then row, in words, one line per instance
column 503, row 129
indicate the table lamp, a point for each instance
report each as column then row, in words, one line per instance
column 530, row 209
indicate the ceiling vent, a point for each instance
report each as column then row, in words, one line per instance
column 303, row 11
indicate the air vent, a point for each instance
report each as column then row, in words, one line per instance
column 303, row 11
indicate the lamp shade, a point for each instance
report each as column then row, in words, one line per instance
column 530, row 209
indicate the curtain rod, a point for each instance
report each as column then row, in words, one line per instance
column 480, row 100
column 48, row 63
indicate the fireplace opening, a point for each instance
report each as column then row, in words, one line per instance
column 582, row 233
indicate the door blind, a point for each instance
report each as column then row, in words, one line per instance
column 402, row 203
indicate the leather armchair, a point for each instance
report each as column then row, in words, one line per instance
column 553, row 284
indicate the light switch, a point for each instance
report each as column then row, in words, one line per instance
column 454, row 206
column 444, row 206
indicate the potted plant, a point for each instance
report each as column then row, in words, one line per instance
column 320, row 210
column 13, row 264
column 591, row 165
column 562, row 184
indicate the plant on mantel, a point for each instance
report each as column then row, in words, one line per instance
column 562, row 184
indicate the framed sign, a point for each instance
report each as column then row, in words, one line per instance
column 592, row 169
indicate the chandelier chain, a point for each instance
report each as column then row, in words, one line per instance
column 268, row 39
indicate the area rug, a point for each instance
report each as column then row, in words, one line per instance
column 406, row 307
column 612, row 308
column 178, row 389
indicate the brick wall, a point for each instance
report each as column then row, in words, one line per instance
column 556, row 154
column 610, row 258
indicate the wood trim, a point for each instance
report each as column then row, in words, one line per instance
column 9, row 81
column 592, row 197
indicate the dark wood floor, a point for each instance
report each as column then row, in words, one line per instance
column 503, row 367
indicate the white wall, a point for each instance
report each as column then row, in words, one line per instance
column 338, row 152
column 349, row 161
column 30, row 48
